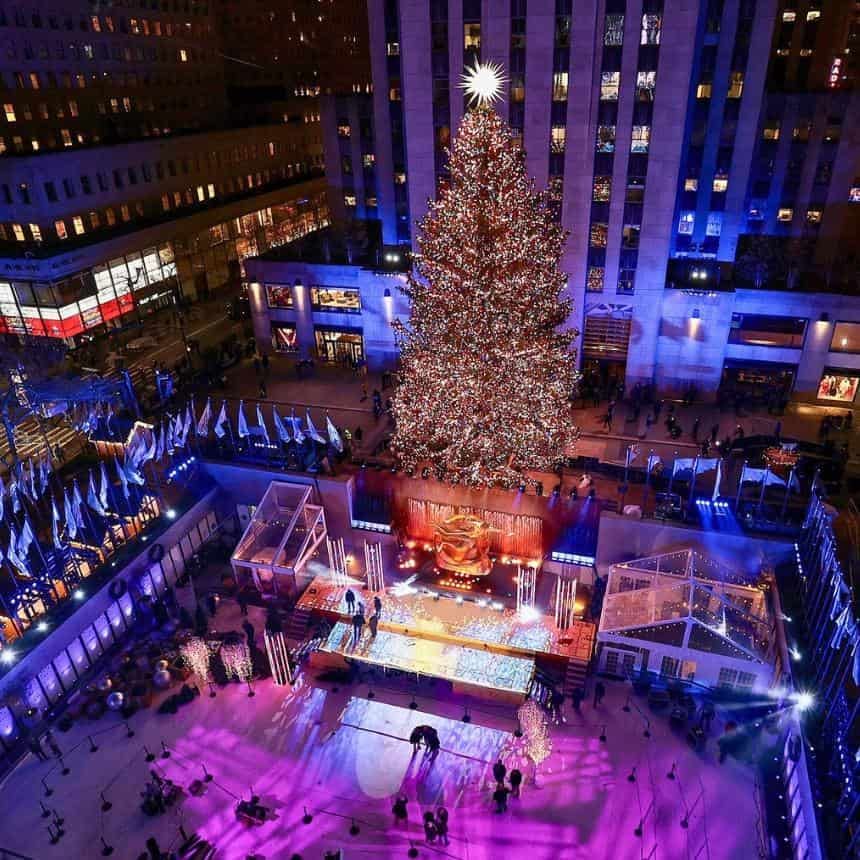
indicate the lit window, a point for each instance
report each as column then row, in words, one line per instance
column 785, row 214
column 609, row 85
column 210, row 189
column 394, row 93
column 78, row 225
column 594, row 279
column 183, row 55
column 640, row 138
column 771, row 130
column 124, row 213
column 801, row 132
column 18, row 230
column 472, row 37
column 96, row 24
column 813, row 216
column 110, row 217
column 704, row 90
column 349, row 200
column 789, row 15
column 165, row 202
column 201, row 194
column 559, row 86
column 95, row 221
column 558, row 137
column 35, row 144
column 835, row 72
column 736, row 85
column 721, row 183
column 614, row 33
column 400, row 179
column 599, row 233
column 686, row 223
column 36, row 232
column 393, row 49
column 34, row 80
column 630, row 235
column 9, row 109
column 605, row 138
column 518, row 89
column 368, row 159
column 343, row 129
column 67, row 138
column 60, row 227
column 651, row 26
column 813, row 14
column 645, row 85
column 854, row 194
column 691, row 184
column 602, row 188
column 714, row 225
column 73, row 108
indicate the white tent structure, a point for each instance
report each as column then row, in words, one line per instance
column 284, row 534
column 683, row 615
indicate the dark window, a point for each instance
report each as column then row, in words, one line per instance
column 763, row 330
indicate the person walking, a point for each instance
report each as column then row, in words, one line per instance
column 211, row 604
column 607, row 421
column 695, row 431
column 516, row 778
column 415, row 739
column 576, row 698
column 431, row 738
column 35, row 747
column 263, row 392
column 556, row 700
column 442, row 824
column 715, row 431
column 242, row 599
column 599, row 693
column 500, row 796
column 430, row 831
column 357, row 624
column 377, row 604
column 401, row 813
column 349, row 597
column 499, row 771
column 53, row 746
column 373, row 623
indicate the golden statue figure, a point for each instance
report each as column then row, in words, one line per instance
column 462, row 544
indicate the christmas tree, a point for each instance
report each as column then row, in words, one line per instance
column 486, row 367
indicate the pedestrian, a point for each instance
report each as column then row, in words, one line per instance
column 739, row 432
column 599, row 693
column 576, row 698
column 357, row 624
column 211, row 604
column 51, row 741
column 415, row 738
column 358, row 434
column 363, row 391
column 706, row 715
column 607, row 421
column 401, row 814
column 349, row 597
column 250, row 633
column 377, row 604
column 658, row 408
column 430, row 831
column 715, row 430
column 499, row 771
column 36, row 748
column 500, row 796
column 431, row 739
column 373, row 623
column 442, row 824
column 556, row 700
column 516, row 781
column 263, row 392
column 649, row 421
column 695, row 431
column 265, row 362
column 242, row 599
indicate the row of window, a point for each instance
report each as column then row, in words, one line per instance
column 640, row 138
column 649, row 34
column 98, row 219
column 105, row 52
column 610, row 83
column 37, row 20
column 332, row 299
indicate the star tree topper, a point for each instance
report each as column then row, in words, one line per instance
column 483, row 83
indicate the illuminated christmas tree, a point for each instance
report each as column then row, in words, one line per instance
column 486, row 367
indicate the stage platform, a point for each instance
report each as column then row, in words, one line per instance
column 422, row 614
column 470, row 670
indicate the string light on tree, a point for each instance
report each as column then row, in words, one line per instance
column 236, row 657
column 486, row 366
column 195, row 652
column 533, row 723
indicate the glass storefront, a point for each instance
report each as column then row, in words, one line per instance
column 335, row 299
column 339, row 345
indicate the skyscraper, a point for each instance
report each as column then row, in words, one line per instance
column 147, row 148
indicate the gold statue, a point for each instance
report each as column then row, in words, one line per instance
column 462, row 544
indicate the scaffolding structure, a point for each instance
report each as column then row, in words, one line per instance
column 526, row 585
column 565, row 601
column 373, row 566
column 337, row 561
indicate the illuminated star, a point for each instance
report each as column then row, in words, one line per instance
column 483, row 83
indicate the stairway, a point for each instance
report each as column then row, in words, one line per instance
column 577, row 672
column 297, row 628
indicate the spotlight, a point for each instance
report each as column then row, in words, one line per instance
column 522, row 488
column 574, row 493
column 592, row 493
column 79, row 594
column 7, row 656
column 42, row 627
column 803, row 700
column 170, row 514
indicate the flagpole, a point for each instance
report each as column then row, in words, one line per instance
column 763, row 488
column 116, row 508
column 740, row 486
column 785, row 497
column 230, row 431
column 647, row 480
column 672, row 475
column 693, row 482
column 72, row 555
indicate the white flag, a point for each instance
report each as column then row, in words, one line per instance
column 333, row 435
column 103, row 488
column 12, row 552
column 719, row 478
column 221, row 421
column 123, row 480
column 262, row 424
column 203, row 423
column 71, row 519
column 312, row 431
column 26, row 539
column 92, row 498
column 298, row 435
column 55, row 520
column 280, row 427
column 243, row 424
